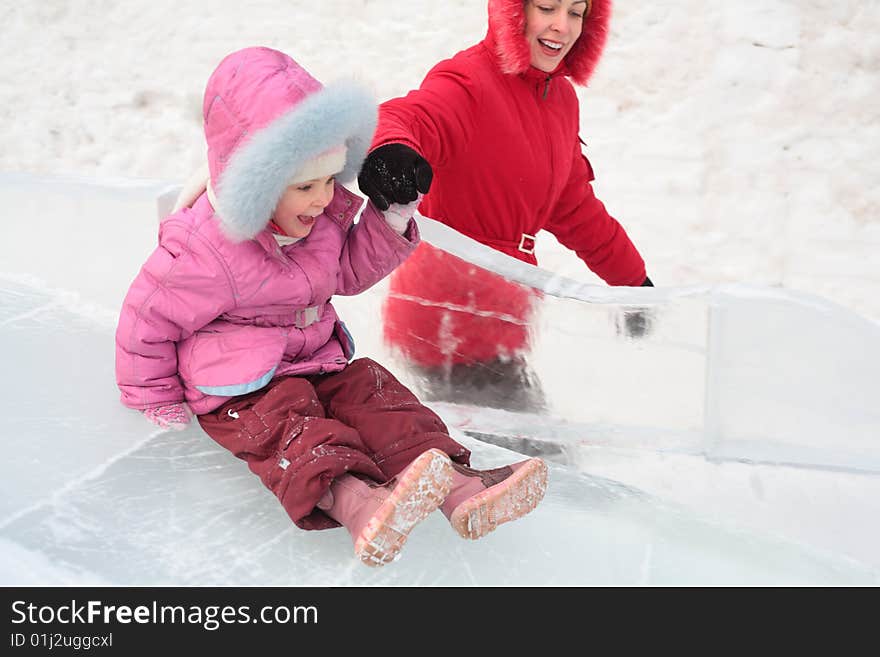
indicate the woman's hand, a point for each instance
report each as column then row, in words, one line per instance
column 394, row 173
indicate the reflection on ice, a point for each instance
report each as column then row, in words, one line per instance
column 744, row 372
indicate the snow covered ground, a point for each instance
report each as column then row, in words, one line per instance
column 737, row 144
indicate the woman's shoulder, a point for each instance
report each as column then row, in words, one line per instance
column 470, row 71
column 470, row 62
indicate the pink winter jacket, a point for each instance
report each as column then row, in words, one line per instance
column 211, row 316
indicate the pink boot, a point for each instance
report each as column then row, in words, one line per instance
column 483, row 499
column 379, row 518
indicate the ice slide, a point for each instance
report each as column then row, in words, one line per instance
column 734, row 443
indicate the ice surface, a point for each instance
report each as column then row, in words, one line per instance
column 92, row 494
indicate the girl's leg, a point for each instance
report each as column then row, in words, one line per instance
column 393, row 424
column 397, row 427
column 380, row 517
column 481, row 500
column 284, row 435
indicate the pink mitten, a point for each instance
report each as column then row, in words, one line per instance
column 171, row 416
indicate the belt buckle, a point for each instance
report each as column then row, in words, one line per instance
column 306, row 316
column 530, row 248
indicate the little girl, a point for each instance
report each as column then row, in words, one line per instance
column 231, row 317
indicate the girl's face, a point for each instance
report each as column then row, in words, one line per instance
column 301, row 203
column 552, row 27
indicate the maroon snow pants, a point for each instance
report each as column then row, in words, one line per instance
column 299, row 433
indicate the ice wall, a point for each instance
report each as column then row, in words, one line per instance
column 731, row 371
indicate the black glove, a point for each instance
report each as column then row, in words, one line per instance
column 394, row 173
column 639, row 321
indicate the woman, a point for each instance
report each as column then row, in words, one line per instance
column 491, row 137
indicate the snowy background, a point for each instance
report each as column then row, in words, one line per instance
column 736, row 143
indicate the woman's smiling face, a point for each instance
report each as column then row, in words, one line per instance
column 552, row 27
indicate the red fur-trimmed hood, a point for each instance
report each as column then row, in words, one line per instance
column 507, row 22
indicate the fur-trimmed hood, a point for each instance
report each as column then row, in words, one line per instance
column 507, row 23
column 265, row 117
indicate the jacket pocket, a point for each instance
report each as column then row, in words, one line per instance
column 228, row 360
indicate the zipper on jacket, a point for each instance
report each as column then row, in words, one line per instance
column 546, row 87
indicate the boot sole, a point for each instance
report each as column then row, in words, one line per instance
column 508, row 500
column 421, row 489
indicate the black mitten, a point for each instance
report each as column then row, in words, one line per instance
column 394, row 173
column 638, row 322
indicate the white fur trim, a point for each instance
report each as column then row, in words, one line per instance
column 260, row 170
